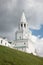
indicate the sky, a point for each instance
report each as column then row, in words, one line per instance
column 38, row 32
column 10, row 14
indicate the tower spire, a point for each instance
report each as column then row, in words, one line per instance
column 23, row 18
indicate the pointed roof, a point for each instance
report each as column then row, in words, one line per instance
column 23, row 18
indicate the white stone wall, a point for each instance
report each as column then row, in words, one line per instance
column 19, row 35
column 22, row 49
column 31, row 48
column 4, row 42
column 18, row 43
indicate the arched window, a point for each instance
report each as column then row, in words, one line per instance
column 25, row 25
column 1, row 41
column 20, row 37
column 5, row 43
column 15, row 44
column 21, row 25
column 24, row 43
column 22, row 48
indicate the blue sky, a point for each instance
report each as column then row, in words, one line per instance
column 38, row 32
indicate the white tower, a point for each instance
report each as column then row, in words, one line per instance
column 23, row 28
column 22, row 37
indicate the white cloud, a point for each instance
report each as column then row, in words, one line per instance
column 11, row 4
column 11, row 11
column 34, row 12
column 38, row 44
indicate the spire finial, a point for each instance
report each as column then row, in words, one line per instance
column 23, row 18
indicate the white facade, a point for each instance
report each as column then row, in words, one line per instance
column 22, row 41
column 4, row 42
column 22, row 32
